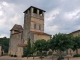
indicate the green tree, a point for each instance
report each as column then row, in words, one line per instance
column 27, row 49
column 61, row 42
column 41, row 45
column 5, row 44
column 76, row 45
column 33, row 49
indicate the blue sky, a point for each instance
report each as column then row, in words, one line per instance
column 61, row 15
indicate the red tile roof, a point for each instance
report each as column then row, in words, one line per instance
column 40, row 33
column 22, row 45
column 74, row 31
column 17, row 28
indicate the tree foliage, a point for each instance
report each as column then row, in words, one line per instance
column 60, row 42
column 76, row 45
column 33, row 49
column 5, row 44
column 41, row 45
column 27, row 49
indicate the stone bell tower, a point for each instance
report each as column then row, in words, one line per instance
column 33, row 21
column 33, row 28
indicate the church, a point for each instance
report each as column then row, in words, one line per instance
column 33, row 28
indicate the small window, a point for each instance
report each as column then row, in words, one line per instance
column 40, row 13
column 39, row 27
column 12, row 32
column 34, row 26
column 35, row 10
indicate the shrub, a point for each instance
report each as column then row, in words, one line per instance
column 44, row 53
column 60, row 58
column 29, row 55
column 38, row 54
column 24, row 55
column 50, row 53
column 42, row 57
column 76, row 55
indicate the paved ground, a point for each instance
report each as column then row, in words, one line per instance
column 36, row 58
column 7, row 58
column 51, row 59
column 74, row 58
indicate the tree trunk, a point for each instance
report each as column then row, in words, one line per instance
column 52, row 56
column 41, row 55
column 67, row 52
column 77, row 51
column 27, row 56
column 60, row 54
column 33, row 56
column 68, row 58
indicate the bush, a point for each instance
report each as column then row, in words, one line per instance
column 50, row 53
column 42, row 57
column 38, row 54
column 60, row 58
column 44, row 53
column 24, row 55
column 77, row 55
column 29, row 55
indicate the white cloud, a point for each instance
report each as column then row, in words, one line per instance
column 4, row 35
column 52, row 29
column 8, row 17
column 52, row 14
column 0, row 6
column 72, row 14
column 5, row 3
column 61, row 15
column 1, row 13
column 49, row 19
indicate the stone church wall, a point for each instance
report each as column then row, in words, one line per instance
column 37, row 22
column 26, row 31
column 15, row 40
column 38, row 37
